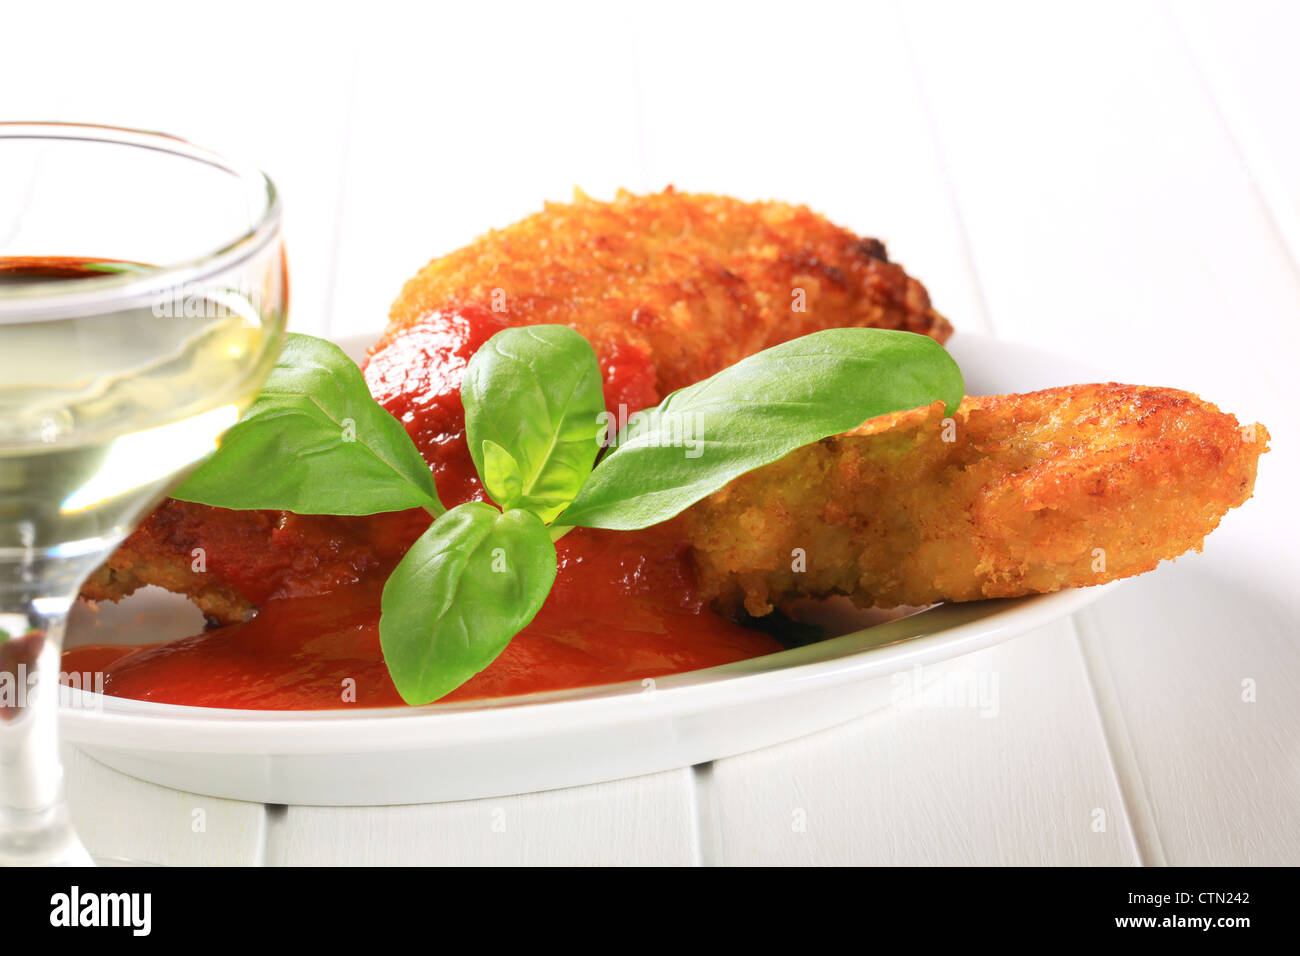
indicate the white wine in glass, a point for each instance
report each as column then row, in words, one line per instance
column 142, row 304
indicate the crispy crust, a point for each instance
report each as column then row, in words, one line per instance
column 1060, row 488
column 231, row 562
column 130, row 568
column 696, row 282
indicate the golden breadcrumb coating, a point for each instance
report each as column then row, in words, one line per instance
column 135, row 565
column 1017, row 494
column 695, row 282
column 229, row 563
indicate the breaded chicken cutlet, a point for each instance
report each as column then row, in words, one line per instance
column 1014, row 495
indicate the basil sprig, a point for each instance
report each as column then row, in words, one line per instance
column 477, row 576
column 315, row 441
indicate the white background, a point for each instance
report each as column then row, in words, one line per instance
column 1119, row 182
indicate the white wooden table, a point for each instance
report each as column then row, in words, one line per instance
column 1120, row 182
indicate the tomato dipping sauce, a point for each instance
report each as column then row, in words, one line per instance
column 624, row 606
column 616, row 613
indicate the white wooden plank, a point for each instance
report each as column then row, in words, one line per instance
column 122, row 819
column 1214, row 725
column 646, row 821
column 996, row 763
column 1246, row 53
column 1107, row 208
column 1111, row 216
column 469, row 118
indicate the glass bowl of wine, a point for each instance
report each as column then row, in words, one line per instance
column 143, row 296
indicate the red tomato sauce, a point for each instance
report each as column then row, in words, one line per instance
column 616, row 613
column 624, row 605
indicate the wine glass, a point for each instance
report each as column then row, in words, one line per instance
column 142, row 304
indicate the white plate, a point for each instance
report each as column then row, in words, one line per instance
column 559, row 739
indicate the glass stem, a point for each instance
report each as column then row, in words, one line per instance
column 35, row 827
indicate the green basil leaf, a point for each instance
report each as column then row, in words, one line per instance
column 536, row 393
column 315, row 442
column 755, row 412
column 471, row 582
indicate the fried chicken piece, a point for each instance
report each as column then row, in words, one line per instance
column 693, row 283
column 229, row 563
column 1017, row 494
